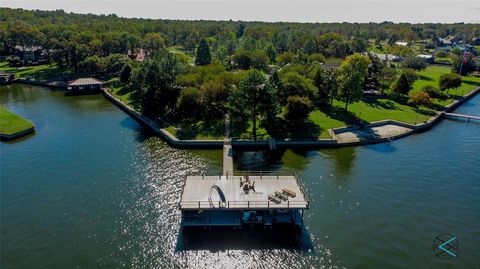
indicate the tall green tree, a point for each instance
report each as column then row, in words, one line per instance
column 202, row 55
column 352, row 73
column 254, row 98
column 126, row 73
column 155, row 85
column 402, row 85
column 153, row 42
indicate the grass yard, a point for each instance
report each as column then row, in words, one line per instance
column 431, row 76
column 121, row 92
column 180, row 51
column 197, row 131
column 368, row 111
column 11, row 123
column 38, row 72
column 325, row 122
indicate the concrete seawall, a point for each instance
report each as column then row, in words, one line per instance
column 283, row 144
column 267, row 144
column 8, row 137
column 51, row 84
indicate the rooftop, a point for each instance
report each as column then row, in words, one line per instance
column 199, row 192
column 84, row 81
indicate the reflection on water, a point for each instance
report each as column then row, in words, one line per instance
column 92, row 189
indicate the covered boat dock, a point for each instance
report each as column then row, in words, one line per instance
column 243, row 198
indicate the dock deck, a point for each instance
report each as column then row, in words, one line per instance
column 200, row 192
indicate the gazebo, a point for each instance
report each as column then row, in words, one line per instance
column 84, row 85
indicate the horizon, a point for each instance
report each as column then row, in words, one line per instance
column 310, row 11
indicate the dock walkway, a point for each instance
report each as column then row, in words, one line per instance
column 227, row 148
column 468, row 117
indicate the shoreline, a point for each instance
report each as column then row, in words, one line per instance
column 319, row 143
column 13, row 126
column 20, row 134
column 335, row 141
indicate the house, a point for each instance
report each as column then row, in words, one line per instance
column 402, row 43
column 31, row 53
column 427, row 57
column 84, row 86
column 391, row 57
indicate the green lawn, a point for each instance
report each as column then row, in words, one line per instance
column 121, row 92
column 443, row 60
column 325, row 122
column 431, row 75
column 179, row 50
column 368, row 111
column 11, row 123
column 37, row 72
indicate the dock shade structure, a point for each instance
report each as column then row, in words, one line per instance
column 243, row 198
column 84, row 85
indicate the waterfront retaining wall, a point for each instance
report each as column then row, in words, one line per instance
column 265, row 144
column 8, row 137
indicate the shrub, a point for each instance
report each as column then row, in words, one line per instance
column 449, row 81
column 126, row 73
column 298, row 108
column 316, row 57
column 401, row 86
column 441, row 54
column 434, row 92
column 420, row 99
column 189, row 103
column 286, row 58
column 415, row 63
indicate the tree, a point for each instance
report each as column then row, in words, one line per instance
column 415, row 63
column 240, row 29
column 126, row 73
column 202, row 56
column 296, row 84
column 352, row 73
column 434, row 92
column 285, row 58
column 153, row 42
column 155, row 84
column 420, row 99
column 297, row 110
column 254, row 98
column 449, row 81
column 386, row 77
column 189, row 104
column 214, row 96
column 242, row 59
column 271, row 53
column 402, row 86
column 310, row 46
column 259, row 60
column 463, row 65
column 374, row 69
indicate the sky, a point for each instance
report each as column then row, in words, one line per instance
column 417, row 11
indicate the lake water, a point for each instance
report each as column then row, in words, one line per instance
column 93, row 189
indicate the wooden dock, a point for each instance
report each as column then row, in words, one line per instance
column 227, row 148
column 227, row 156
column 468, row 117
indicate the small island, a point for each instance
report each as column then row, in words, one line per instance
column 13, row 126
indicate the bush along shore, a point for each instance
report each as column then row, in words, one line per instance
column 13, row 126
